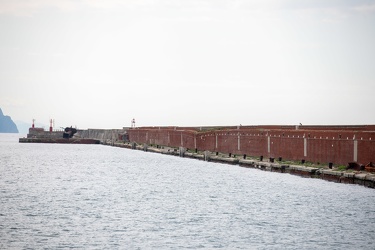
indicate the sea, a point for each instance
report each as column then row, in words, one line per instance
column 59, row 196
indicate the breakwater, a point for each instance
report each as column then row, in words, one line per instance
column 327, row 145
column 334, row 145
column 59, row 140
column 348, row 177
column 104, row 135
column 309, row 151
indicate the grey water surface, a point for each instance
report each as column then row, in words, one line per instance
column 99, row 197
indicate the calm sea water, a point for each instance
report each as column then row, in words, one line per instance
column 100, row 197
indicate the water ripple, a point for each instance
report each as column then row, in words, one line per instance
column 97, row 197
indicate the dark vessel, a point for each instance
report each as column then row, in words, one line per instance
column 69, row 132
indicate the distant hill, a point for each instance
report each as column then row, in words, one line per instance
column 6, row 124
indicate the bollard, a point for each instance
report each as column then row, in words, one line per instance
column 330, row 165
column 182, row 151
column 244, row 156
column 230, row 154
column 303, row 161
column 206, row 155
column 272, row 159
column 217, row 153
column 261, row 158
column 280, row 158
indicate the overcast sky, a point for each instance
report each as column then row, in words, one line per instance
column 98, row 64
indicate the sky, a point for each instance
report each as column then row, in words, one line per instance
column 101, row 63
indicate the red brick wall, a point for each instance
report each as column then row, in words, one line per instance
column 206, row 141
column 254, row 145
column 330, row 150
column 366, row 151
column 322, row 144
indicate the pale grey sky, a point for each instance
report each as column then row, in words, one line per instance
column 98, row 64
